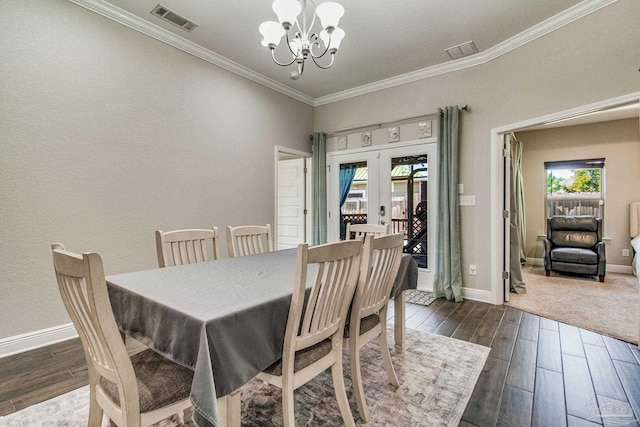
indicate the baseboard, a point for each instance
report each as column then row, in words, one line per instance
column 611, row 268
column 32, row 340
column 535, row 261
column 477, row 295
column 624, row 269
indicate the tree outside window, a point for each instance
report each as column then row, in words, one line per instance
column 575, row 187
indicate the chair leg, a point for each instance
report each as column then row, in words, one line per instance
column 601, row 278
column 386, row 357
column 341, row 392
column 95, row 411
column 356, row 379
column 547, row 273
column 288, row 413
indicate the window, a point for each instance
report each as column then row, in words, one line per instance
column 575, row 187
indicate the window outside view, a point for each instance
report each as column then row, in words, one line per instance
column 575, row 191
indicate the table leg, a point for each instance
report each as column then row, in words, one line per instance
column 229, row 414
column 399, row 321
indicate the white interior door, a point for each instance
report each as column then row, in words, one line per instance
column 291, row 203
column 381, row 194
column 506, row 222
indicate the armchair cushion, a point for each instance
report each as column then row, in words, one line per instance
column 574, row 239
column 574, row 255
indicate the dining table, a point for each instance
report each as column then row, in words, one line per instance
column 224, row 319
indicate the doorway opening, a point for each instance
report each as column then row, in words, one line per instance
column 292, row 204
column 500, row 169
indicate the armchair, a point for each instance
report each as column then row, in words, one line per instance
column 574, row 245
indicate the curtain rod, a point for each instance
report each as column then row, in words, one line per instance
column 385, row 124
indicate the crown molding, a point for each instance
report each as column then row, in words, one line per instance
column 566, row 17
column 123, row 17
column 129, row 20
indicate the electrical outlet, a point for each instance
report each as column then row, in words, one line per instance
column 472, row 269
column 625, row 252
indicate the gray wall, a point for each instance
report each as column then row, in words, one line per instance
column 107, row 135
column 618, row 142
column 592, row 59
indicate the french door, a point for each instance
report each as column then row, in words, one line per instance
column 394, row 185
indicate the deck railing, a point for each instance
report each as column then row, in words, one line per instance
column 398, row 225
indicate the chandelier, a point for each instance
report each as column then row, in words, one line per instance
column 302, row 43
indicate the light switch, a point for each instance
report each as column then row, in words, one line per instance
column 467, row 200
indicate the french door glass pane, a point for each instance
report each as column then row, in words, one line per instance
column 355, row 208
column 409, row 201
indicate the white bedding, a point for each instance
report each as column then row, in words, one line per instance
column 634, row 229
column 635, row 244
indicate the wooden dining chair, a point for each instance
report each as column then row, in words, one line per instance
column 361, row 230
column 132, row 392
column 368, row 320
column 187, row 246
column 249, row 240
column 313, row 335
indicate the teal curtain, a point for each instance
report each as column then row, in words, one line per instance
column 347, row 173
column 319, row 189
column 448, row 272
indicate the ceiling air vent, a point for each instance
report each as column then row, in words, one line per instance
column 173, row 18
column 462, row 50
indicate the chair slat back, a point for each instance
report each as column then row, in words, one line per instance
column 249, row 240
column 187, row 246
column 333, row 285
column 83, row 289
column 380, row 264
column 355, row 231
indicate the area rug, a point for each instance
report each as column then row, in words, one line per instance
column 610, row 308
column 417, row 296
column 437, row 376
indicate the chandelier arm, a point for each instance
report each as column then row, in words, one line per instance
column 315, row 42
column 324, row 67
column 308, row 30
column 282, row 64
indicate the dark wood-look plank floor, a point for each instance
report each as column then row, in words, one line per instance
column 539, row 372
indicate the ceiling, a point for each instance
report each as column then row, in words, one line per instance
column 384, row 39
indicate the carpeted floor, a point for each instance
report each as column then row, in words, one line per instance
column 611, row 308
column 437, row 376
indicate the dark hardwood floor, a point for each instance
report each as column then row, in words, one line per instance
column 539, row 372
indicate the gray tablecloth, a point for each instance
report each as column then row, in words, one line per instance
column 224, row 319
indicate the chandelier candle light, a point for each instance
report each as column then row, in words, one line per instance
column 301, row 44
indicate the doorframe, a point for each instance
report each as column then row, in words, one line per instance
column 278, row 152
column 497, row 177
column 424, row 282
